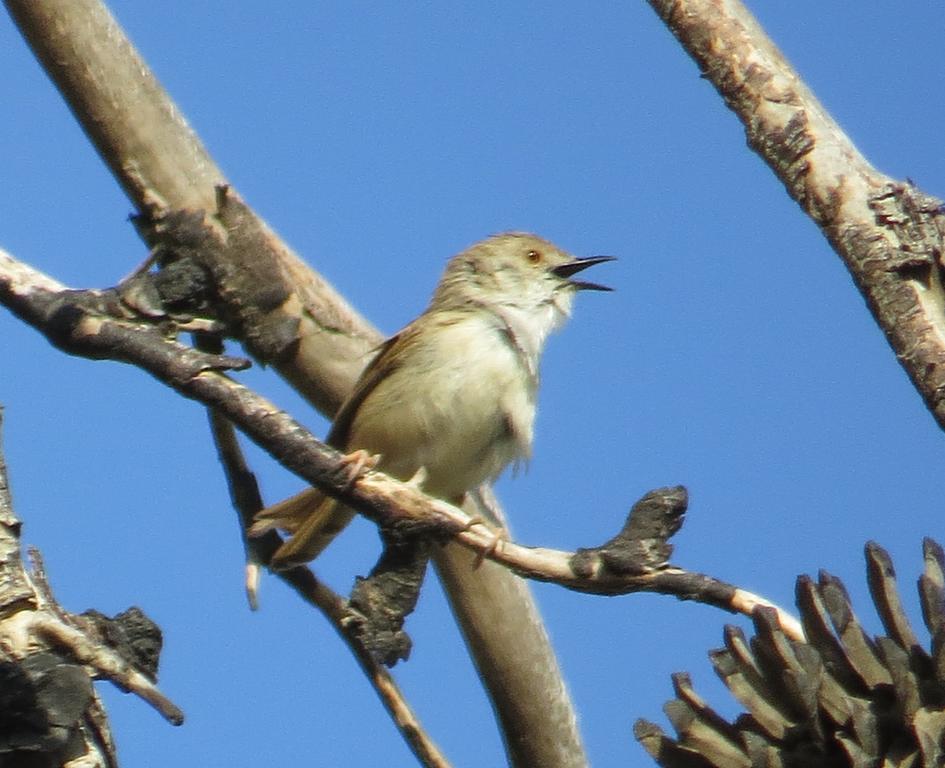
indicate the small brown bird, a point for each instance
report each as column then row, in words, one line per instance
column 454, row 392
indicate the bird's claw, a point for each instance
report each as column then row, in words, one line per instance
column 499, row 535
column 357, row 462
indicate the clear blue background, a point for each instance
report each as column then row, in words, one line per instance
column 736, row 356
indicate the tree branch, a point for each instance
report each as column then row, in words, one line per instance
column 888, row 233
column 633, row 561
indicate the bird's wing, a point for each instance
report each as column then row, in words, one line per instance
column 387, row 359
column 390, row 356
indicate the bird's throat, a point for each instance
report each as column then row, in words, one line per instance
column 528, row 330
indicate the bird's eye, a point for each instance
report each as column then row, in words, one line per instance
column 534, row 257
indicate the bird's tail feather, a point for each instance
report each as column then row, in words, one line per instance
column 313, row 520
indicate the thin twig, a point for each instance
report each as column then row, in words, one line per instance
column 245, row 496
column 106, row 663
column 333, row 607
column 55, row 625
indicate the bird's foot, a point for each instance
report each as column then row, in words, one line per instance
column 355, row 463
column 499, row 535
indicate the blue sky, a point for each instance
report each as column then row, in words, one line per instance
column 735, row 357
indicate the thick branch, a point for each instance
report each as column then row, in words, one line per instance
column 161, row 164
column 119, row 103
column 888, row 233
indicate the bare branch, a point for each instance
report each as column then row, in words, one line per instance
column 633, row 561
column 119, row 103
column 336, row 610
column 106, row 663
column 161, row 164
column 888, row 233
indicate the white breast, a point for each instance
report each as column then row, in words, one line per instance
column 462, row 406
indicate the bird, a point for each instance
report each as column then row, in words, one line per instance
column 451, row 398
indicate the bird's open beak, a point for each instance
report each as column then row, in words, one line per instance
column 573, row 267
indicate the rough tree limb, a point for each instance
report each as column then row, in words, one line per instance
column 161, row 164
column 888, row 233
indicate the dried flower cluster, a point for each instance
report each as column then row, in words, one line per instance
column 840, row 700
